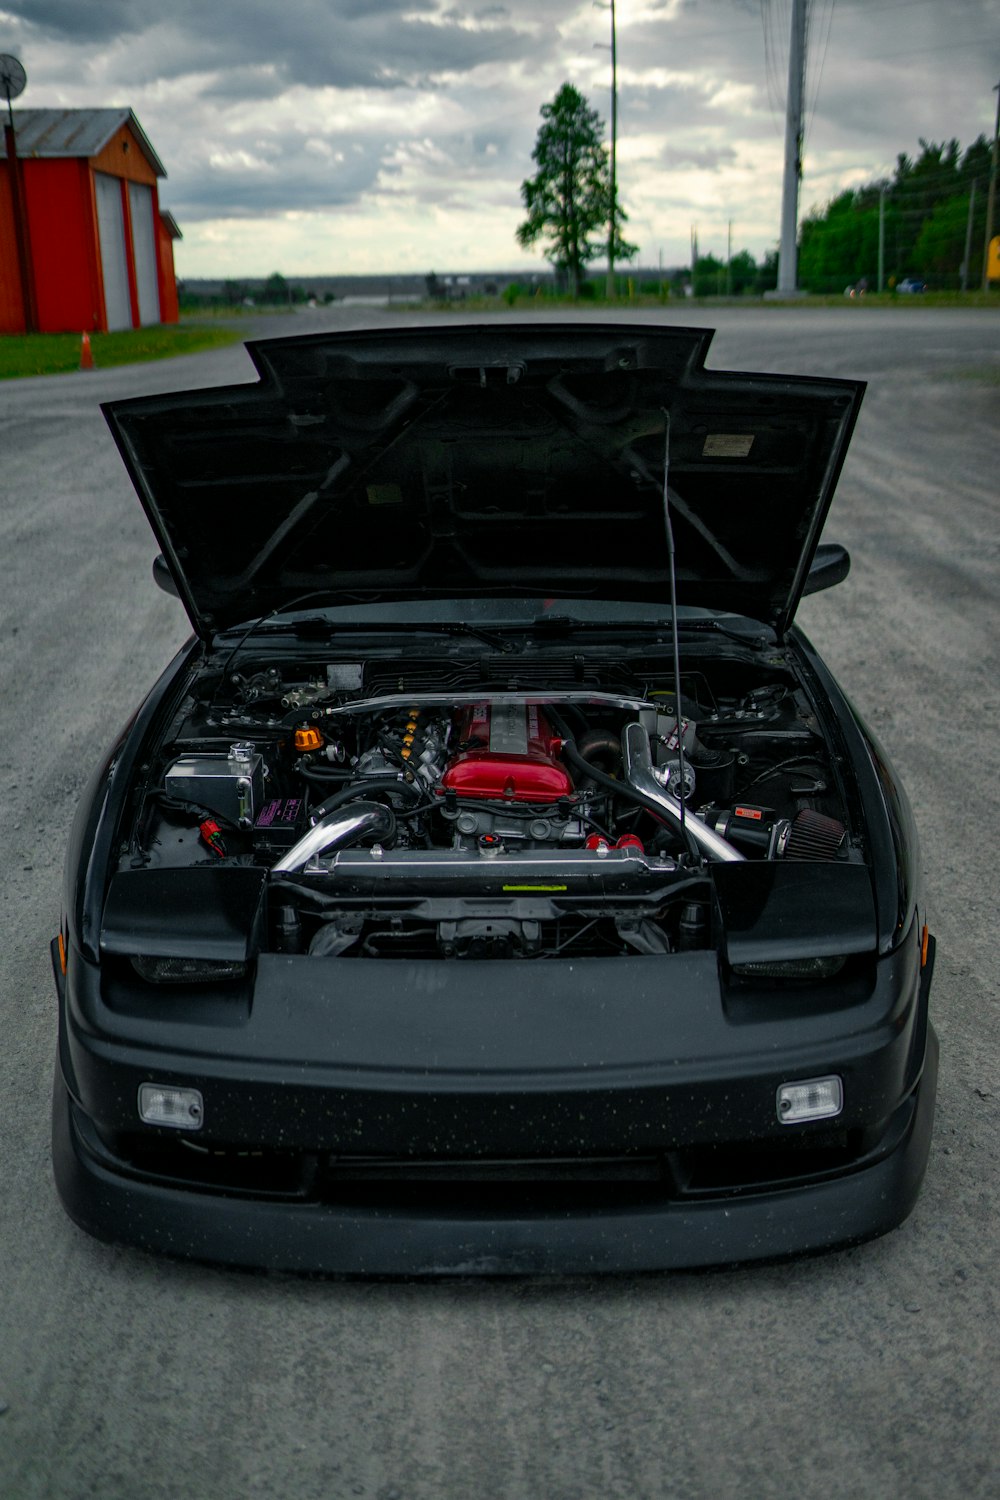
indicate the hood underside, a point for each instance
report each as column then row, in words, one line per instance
column 449, row 461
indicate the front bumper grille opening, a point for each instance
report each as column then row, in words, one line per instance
column 201, row 1166
column 499, row 1185
column 743, row 1166
column 488, row 1186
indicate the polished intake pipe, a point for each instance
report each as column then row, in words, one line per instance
column 345, row 825
column 638, row 762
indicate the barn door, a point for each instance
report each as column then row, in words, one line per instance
column 111, row 232
column 140, row 200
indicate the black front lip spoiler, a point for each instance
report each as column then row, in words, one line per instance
column 309, row 1237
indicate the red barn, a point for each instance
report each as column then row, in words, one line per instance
column 97, row 250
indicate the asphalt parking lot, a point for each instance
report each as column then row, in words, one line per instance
column 870, row 1372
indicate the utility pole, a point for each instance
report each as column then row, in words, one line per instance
column 992, row 196
column 12, row 81
column 729, row 260
column 610, row 288
column 968, row 235
column 788, row 250
column 881, row 238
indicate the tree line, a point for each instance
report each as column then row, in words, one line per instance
column 932, row 208
column 930, row 216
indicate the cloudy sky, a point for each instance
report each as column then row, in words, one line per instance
column 354, row 136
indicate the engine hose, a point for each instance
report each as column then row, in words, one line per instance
column 364, row 789
column 598, row 745
column 325, row 775
column 414, row 812
column 572, row 712
column 191, row 810
column 626, row 790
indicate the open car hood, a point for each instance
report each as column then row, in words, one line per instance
column 528, row 460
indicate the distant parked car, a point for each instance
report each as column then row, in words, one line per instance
column 911, row 284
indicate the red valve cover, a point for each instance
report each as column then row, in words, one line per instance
column 511, row 755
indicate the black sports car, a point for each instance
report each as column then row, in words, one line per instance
column 497, row 881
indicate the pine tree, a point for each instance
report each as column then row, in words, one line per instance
column 569, row 198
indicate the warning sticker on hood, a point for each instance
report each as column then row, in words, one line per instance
column 727, row 445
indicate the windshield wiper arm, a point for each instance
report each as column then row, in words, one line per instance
column 756, row 639
column 318, row 627
column 498, row 642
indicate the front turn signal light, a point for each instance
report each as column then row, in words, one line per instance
column 793, row 968
column 810, row 1099
column 163, row 1104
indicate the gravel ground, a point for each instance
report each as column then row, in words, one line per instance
column 868, row 1373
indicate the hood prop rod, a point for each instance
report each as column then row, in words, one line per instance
column 672, row 573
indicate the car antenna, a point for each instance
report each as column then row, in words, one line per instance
column 672, row 571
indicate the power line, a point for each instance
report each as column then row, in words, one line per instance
column 867, row 8
column 978, row 42
column 830, row 4
column 768, row 60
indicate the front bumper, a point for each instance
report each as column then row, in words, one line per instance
column 427, row 1131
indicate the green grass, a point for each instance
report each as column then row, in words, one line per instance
column 895, row 299
column 529, row 301
column 56, row 353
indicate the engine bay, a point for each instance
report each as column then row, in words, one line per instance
column 464, row 805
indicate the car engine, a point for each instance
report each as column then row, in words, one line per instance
column 417, row 817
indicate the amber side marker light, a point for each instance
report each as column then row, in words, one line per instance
column 924, row 944
column 61, row 944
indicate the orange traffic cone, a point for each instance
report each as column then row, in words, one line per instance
column 86, row 357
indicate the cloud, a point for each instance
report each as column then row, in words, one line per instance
column 703, row 159
column 67, row 20
column 377, row 43
column 411, row 122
